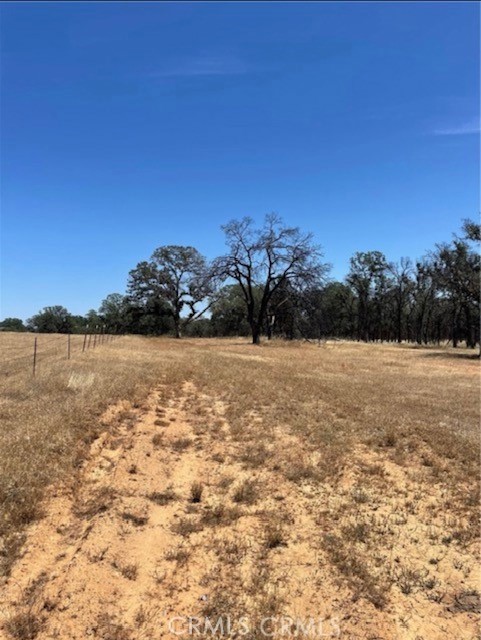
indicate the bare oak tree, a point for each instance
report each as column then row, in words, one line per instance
column 261, row 260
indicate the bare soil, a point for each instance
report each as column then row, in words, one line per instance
column 174, row 515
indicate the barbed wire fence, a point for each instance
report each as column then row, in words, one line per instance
column 62, row 346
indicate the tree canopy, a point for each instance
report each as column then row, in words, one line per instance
column 12, row 324
column 179, row 277
column 272, row 281
column 56, row 319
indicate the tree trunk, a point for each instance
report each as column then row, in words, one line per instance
column 254, row 325
column 470, row 339
column 455, row 328
column 269, row 325
column 399, row 321
column 178, row 333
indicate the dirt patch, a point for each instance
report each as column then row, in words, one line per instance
column 183, row 516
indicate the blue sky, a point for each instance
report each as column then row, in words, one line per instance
column 129, row 126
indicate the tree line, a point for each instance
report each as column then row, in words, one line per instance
column 272, row 281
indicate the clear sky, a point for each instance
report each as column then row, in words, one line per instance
column 130, row 126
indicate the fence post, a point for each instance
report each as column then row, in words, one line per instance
column 68, row 346
column 34, row 355
column 90, row 340
column 95, row 340
column 85, row 342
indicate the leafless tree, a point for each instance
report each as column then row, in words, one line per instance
column 261, row 260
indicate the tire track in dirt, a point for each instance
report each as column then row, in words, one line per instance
column 169, row 519
column 89, row 564
column 109, row 562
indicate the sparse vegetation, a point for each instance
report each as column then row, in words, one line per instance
column 128, row 570
column 109, row 628
column 180, row 444
column 135, row 519
column 340, row 475
column 158, row 440
column 25, row 625
column 163, row 497
column 179, row 554
column 300, row 470
column 185, row 526
column 356, row 570
column 246, row 492
column 99, row 502
column 274, row 535
column 196, row 490
column 49, row 425
column 220, row 515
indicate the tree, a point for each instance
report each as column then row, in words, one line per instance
column 424, row 303
column 366, row 277
column 472, row 230
column 93, row 321
column 177, row 276
column 114, row 312
column 12, row 324
column 402, row 286
column 54, row 319
column 264, row 259
column 150, row 317
column 282, row 313
column 79, row 324
column 200, row 328
column 228, row 313
column 330, row 311
column 457, row 270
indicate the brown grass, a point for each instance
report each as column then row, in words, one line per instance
column 24, row 626
column 49, row 420
column 163, row 497
column 246, row 492
column 360, row 461
column 196, row 491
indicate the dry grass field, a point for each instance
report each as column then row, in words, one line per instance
column 286, row 490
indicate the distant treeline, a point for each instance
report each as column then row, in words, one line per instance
column 272, row 281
